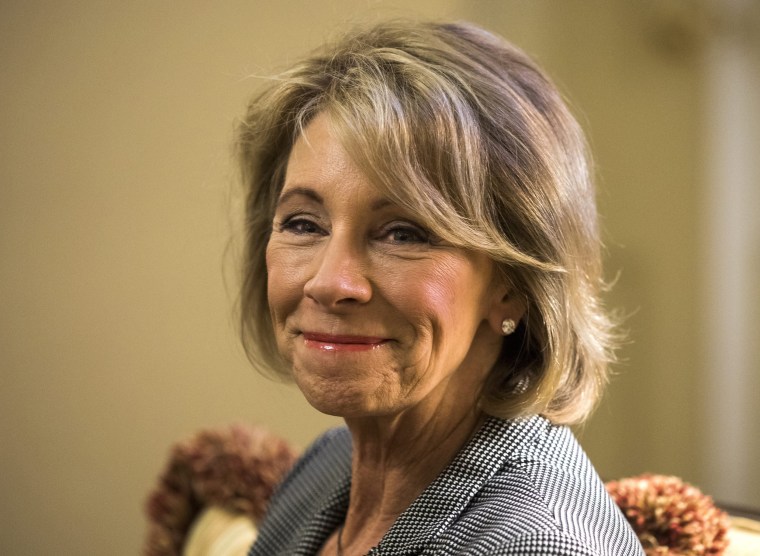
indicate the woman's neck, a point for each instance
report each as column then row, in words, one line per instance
column 394, row 460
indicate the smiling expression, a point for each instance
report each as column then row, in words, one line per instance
column 374, row 314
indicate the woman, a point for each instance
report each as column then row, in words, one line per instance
column 423, row 259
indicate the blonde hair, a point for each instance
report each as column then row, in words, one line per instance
column 461, row 128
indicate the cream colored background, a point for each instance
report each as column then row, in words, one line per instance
column 118, row 203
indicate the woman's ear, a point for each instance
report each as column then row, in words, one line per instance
column 507, row 305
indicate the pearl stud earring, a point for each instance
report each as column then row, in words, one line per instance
column 508, row 326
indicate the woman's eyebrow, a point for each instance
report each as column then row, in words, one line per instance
column 314, row 196
column 380, row 204
column 305, row 191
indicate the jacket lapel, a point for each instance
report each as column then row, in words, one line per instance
column 326, row 520
column 444, row 500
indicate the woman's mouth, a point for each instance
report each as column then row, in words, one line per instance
column 332, row 342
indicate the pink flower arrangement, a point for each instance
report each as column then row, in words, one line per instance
column 236, row 468
column 671, row 517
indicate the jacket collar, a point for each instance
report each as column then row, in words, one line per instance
column 443, row 501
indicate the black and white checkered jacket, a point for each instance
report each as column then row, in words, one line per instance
column 517, row 488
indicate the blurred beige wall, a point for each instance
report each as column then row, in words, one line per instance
column 117, row 205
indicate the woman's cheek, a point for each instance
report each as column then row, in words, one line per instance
column 286, row 268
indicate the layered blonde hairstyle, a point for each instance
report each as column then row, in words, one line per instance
column 462, row 129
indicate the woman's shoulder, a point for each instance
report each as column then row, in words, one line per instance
column 335, row 443
column 319, row 482
column 548, row 494
column 326, row 461
column 535, row 491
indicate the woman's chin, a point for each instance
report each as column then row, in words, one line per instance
column 339, row 391
column 341, row 404
column 344, row 400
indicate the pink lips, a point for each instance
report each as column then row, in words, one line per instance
column 329, row 342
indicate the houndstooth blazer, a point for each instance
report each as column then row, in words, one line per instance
column 517, row 488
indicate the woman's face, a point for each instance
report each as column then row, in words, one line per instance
column 374, row 314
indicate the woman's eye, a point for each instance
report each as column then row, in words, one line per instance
column 407, row 234
column 300, row 226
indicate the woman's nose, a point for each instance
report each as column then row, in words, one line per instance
column 340, row 275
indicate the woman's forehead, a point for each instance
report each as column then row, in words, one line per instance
column 319, row 163
column 327, row 153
